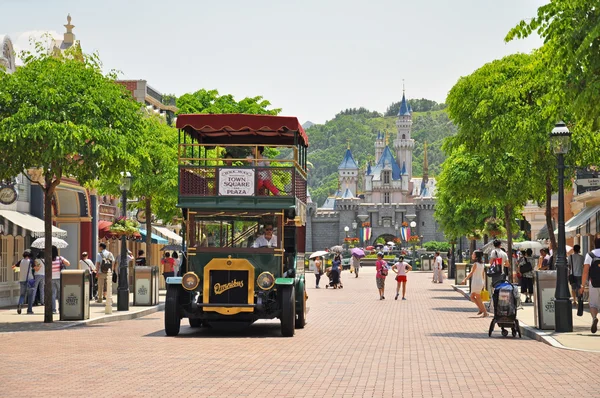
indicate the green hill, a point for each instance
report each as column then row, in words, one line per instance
column 328, row 143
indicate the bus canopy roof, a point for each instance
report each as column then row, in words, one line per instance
column 208, row 128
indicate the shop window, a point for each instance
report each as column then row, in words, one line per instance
column 4, row 259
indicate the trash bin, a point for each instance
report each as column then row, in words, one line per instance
column 461, row 272
column 425, row 263
column 145, row 285
column 543, row 289
column 74, row 295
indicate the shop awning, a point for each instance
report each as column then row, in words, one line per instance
column 22, row 224
column 155, row 238
column 166, row 233
column 104, row 229
column 586, row 222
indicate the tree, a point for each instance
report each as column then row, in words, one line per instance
column 61, row 116
column 209, row 101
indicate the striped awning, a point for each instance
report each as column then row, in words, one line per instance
column 21, row 224
column 586, row 222
column 166, row 233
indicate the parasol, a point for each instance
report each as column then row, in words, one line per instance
column 370, row 247
column 172, row 247
column 528, row 244
column 337, row 249
column 40, row 243
column 358, row 252
column 319, row 253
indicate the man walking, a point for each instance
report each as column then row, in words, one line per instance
column 25, row 275
column 575, row 271
column 104, row 261
column 40, row 274
column 591, row 275
column 438, row 270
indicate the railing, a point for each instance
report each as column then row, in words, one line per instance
column 241, row 181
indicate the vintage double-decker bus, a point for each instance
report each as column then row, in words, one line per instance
column 242, row 190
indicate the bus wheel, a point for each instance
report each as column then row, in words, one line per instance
column 288, row 311
column 301, row 314
column 195, row 323
column 172, row 319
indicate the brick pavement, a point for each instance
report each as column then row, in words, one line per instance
column 353, row 346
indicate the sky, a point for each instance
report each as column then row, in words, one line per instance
column 312, row 58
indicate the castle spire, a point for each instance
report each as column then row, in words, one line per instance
column 425, row 164
column 69, row 36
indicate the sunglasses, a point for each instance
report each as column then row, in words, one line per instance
column 268, row 229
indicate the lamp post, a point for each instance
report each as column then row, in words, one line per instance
column 560, row 139
column 123, row 288
column 354, row 226
column 346, row 229
column 413, row 224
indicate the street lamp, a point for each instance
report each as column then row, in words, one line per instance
column 354, row 226
column 560, row 139
column 123, row 289
column 413, row 224
column 346, row 229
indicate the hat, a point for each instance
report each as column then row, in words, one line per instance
column 379, row 254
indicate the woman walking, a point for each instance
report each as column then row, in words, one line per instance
column 382, row 272
column 477, row 281
column 58, row 264
column 355, row 263
column 401, row 268
column 318, row 270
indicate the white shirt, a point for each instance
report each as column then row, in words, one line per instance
column 42, row 270
column 498, row 253
column 588, row 258
column 25, row 270
column 401, row 267
column 104, row 253
column 438, row 262
column 88, row 264
column 262, row 241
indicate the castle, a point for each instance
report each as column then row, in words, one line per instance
column 380, row 201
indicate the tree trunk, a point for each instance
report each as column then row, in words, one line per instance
column 508, row 214
column 148, row 230
column 549, row 211
column 48, row 193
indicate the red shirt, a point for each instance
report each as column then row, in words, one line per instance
column 168, row 264
column 380, row 264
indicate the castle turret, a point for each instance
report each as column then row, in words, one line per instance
column 404, row 144
column 348, row 173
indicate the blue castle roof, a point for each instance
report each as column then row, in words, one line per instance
column 388, row 161
column 404, row 107
column 348, row 162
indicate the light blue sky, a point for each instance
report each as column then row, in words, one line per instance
column 312, row 58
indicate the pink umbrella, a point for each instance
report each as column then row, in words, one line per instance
column 358, row 252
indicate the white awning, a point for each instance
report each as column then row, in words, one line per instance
column 21, row 224
column 586, row 222
column 168, row 234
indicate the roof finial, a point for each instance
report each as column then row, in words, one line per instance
column 402, row 86
column 348, row 142
column 425, row 164
column 386, row 138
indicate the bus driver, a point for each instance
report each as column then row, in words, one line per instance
column 268, row 239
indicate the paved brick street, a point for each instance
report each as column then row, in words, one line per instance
column 354, row 345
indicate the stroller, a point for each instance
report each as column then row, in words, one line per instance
column 334, row 279
column 505, row 309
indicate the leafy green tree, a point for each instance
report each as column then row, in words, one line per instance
column 63, row 117
column 209, row 101
column 359, row 111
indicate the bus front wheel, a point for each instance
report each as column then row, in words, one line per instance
column 172, row 318
column 288, row 311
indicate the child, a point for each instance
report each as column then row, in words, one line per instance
column 382, row 271
column 401, row 268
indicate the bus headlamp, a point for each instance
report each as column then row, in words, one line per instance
column 265, row 281
column 190, row 281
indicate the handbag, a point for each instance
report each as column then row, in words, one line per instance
column 485, row 295
column 62, row 265
column 351, row 268
column 114, row 277
column 30, row 282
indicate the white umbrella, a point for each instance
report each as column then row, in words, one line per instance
column 40, row 243
column 488, row 247
column 320, row 253
column 337, row 249
column 391, row 243
column 528, row 244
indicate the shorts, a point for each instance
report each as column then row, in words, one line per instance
column 575, row 286
column 594, row 297
column 401, row 278
column 527, row 285
column 380, row 283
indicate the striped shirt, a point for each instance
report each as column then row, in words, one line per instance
column 56, row 267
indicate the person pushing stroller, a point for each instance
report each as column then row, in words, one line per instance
column 333, row 273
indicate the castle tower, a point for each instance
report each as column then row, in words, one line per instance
column 348, row 173
column 404, row 144
column 379, row 146
column 69, row 36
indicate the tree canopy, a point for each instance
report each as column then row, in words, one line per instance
column 210, row 101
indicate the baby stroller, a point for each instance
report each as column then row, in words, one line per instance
column 334, row 279
column 505, row 309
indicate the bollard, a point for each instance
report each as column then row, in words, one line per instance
column 108, row 307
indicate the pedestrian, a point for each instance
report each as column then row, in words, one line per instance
column 401, row 268
column 591, row 277
column 40, row 277
column 140, row 260
column 167, row 263
column 575, row 271
column 544, row 260
column 58, row 264
column 527, row 273
column 175, row 264
column 477, row 281
column 438, row 268
column 104, row 261
column 26, row 279
column 336, row 269
column 382, row 272
column 355, row 263
column 86, row 263
column 318, row 270
column 499, row 258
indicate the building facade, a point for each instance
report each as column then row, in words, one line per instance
column 381, row 200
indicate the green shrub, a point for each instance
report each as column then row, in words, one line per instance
column 433, row 245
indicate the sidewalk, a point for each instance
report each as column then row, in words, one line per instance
column 10, row 321
column 581, row 338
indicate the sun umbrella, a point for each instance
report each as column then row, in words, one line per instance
column 337, row 249
column 370, row 247
column 528, row 244
column 488, row 247
column 40, row 243
column 358, row 252
column 173, row 247
column 319, row 253
column 391, row 243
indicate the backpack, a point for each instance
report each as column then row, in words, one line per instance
column 495, row 268
column 105, row 264
column 594, row 270
column 384, row 269
column 525, row 266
